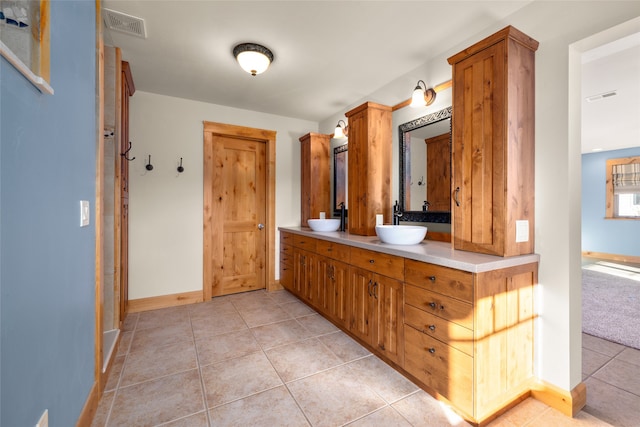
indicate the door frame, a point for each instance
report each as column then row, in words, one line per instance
column 268, row 137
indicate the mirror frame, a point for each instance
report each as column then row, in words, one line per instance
column 443, row 217
column 337, row 150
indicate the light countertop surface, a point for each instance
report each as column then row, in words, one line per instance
column 439, row 253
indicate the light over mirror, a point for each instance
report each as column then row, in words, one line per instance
column 425, row 168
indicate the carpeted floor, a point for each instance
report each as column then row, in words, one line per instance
column 611, row 305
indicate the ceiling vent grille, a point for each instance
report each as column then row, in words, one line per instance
column 602, row 96
column 124, row 23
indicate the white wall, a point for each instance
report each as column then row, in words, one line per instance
column 165, row 213
column 558, row 337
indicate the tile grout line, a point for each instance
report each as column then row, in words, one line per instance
column 202, row 386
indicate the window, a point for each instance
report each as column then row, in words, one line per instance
column 623, row 188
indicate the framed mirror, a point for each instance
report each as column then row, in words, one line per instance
column 425, row 168
column 340, row 177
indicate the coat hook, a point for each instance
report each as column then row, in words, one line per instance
column 125, row 153
column 149, row 165
column 421, row 182
column 180, row 168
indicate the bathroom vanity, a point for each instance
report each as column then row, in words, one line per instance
column 459, row 324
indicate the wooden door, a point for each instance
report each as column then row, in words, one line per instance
column 389, row 332
column 239, row 209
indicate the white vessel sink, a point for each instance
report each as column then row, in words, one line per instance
column 328, row 224
column 401, row 234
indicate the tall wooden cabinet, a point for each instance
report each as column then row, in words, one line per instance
column 369, row 167
column 493, row 145
column 315, row 183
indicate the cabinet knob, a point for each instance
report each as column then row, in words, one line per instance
column 432, row 327
column 432, row 304
column 432, row 278
column 371, row 261
column 432, row 350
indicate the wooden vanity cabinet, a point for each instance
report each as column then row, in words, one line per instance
column 314, row 176
column 286, row 260
column 493, row 144
column 369, row 167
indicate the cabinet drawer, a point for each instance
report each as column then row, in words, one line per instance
column 332, row 250
column 442, row 306
column 304, row 242
column 286, row 238
column 387, row 265
column 286, row 250
column 286, row 257
column 444, row 280
column 450, row 333
column 441, row 367
column 286, row 276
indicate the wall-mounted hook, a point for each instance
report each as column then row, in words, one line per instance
column 180, row 168
column 125, row 153
column 421, row 182
column 149, row 166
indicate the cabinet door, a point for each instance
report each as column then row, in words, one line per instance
column 338, row 288
column 389, row 332
column 360, row 302
column 323, row 284
column 478, row 153
column 303, row 273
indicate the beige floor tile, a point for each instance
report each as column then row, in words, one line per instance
column 621, row 374
column 104, row 407
column 253, row 299
column 592, row 361
column 154, row 338
column 297, row 308
column 270, row 408
column 422, row 410
column 214, row 307
column 317, row 324
column 521, row 414
column 283, row 296
column 301, row 359
column 218, row 324
column 334, row 397
column 387, row 417
column 226, row 346
column 630, row 355
column 195, row 420
column 601, row 346
column 237, row 378
column 382, row 378
column 125, row 343
column 555, row 418
column 346, row 348
column 163, row 317
column 610, row 404
column 154, row 363
column 158, row 401
column 114, row 375
column 263, row 315
column 276, row 334
column 130, row 322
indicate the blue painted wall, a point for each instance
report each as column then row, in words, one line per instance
column 47, row 262
column 619, row 237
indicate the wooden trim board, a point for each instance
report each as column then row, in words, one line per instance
column 567, row 402
column 612, row 257
column 164, row 301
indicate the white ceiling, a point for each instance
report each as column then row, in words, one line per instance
column 330, row 54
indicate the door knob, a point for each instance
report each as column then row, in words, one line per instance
column 260, row 226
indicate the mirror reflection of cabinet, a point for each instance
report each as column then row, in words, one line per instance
column 315, row 193
column 438, row 184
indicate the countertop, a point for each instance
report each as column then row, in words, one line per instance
column 439, row 253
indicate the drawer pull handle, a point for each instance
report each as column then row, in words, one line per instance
column 369, row 288
column 432, row 278
column 432, row 304
column 371, row 261
column 432, row 327
column 432, row 350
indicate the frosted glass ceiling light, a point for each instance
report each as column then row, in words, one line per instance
column 253, row 58
column 422, row 96
column 340, row 131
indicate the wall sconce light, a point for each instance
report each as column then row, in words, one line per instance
column 341, row 131
column 253, row 58
column 422, row 96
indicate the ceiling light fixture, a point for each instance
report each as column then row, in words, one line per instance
column 253, row 58
column 422, row 96
column 341, row 131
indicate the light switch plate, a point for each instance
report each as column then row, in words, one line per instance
column 522, row 231
column 84, row 213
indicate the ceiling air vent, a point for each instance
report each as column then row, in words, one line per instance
column 602, row 96
column 118, row 21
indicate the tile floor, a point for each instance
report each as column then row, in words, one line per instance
column 266, row 359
